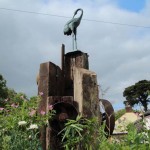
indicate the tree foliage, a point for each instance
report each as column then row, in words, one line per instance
column 138, row 93
column 8, row 96
column 3, row 88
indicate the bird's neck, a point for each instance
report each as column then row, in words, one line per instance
column 81, row 13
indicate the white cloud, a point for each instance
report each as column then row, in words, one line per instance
column 118, row 54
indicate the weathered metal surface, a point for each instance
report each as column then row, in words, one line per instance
column 73, row 59
column 108, row 116
column 76, row 58
column 62, row 57
column 66, row 99
column 64, row 111
column 63, row 105
column 81, row 94
column 86, row 92
column 50, row 79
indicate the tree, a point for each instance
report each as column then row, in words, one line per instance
column 138, row 93
column 8, row 96
column 3, row 88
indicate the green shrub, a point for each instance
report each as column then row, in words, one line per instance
column 86, row 134
column 20, row 124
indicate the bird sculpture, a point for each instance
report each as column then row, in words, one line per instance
column 70, row 27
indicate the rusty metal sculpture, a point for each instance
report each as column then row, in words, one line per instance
column 64, row 111
column 72, row 90
column 108, row 117
column 71, row 27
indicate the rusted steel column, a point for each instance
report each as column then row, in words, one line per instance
column 86, row 92
column 49, row 83
column 62, row 57
column 73, row 59
column 109, row 116
column 63, row 112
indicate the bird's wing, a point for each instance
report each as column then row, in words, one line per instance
column 71, row 25
column 67, row 30
column 74, row 23
column 71, row 20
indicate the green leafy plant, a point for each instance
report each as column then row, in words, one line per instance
column 72, row 134
column 81, row 133
column 20, row 124
column 86, row 134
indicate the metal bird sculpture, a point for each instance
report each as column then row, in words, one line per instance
column 71, row 27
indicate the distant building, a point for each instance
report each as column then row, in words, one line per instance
column 143, row 122
column 129, row 117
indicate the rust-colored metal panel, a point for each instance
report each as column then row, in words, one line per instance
column 73, row 59
column 65, row 108
column 51, row 137
column 108, row 116
column 50, row 82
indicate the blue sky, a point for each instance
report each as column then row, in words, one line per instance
column 132, row 5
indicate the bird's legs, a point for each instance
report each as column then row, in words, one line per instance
column 75, row 38
column 75, row 41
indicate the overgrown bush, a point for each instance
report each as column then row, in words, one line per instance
column 84, row 134
column 20, row 124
